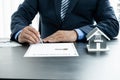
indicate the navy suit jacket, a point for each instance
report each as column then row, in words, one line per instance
column 81, row 14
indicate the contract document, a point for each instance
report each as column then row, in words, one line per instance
column 51, row 50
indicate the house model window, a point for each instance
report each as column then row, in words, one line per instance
column 97, row 40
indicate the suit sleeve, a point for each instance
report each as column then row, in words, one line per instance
column 105, row 20
column 23, row 16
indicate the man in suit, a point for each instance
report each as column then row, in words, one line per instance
column 77, row 21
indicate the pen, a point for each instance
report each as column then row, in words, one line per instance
column 41, row 41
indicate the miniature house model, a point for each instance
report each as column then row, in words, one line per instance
column 97, row 40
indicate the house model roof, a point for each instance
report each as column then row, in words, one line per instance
column 96, row 31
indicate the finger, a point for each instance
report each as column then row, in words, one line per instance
column 51, row 39
column 28, row 41
column 28, row 38
column 27, row 33
column 46, row 39
column 34, row 31
column 32, row 35
column 22, row 38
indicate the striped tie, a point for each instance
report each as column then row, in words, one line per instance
column 64, row 7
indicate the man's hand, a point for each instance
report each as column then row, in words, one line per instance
column 62, row 36
column 29, row 35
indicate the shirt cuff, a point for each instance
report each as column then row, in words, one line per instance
column 17, row 34
column 80, row 34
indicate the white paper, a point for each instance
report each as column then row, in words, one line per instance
column 9, row 44
column 51, row 50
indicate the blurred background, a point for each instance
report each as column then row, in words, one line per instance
column 8, row 7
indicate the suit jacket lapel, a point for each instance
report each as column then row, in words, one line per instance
column 58, row 9
column 71, row 6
